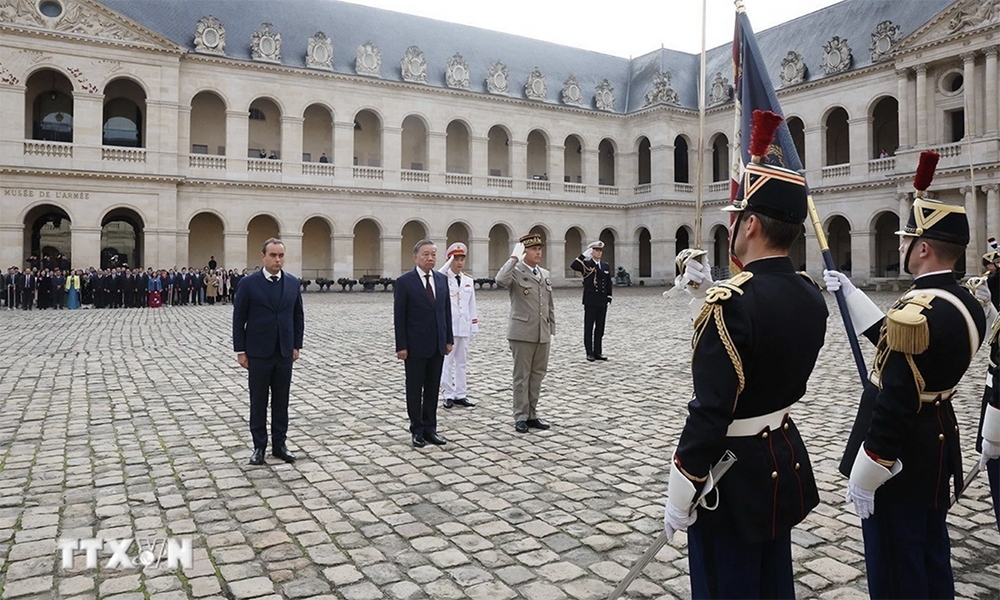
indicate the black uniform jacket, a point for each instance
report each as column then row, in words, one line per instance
column 597, row 287
column 774, row 326
column 894, row 424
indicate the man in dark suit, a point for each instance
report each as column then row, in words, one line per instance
column 268, row 326
column 597, row 289
column 422, row 319
column 28, row 287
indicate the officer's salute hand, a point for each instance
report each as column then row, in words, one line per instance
column 518, row 252
column 588, row 253
column 835, row 280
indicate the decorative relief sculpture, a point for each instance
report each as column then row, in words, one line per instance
column 75, row 19
column 265, row 45
column 836, row 56
column 457, row 72
column 605, row 96
column 720, row 91
column 369, row 60
column 661, row 93
column 571, row 92
column 793, row 69
column 534, row 88
column 497, row 81
column 976, row 14
column 319, row 54
column 885, row 35
column 414, row 65
column 210, row 36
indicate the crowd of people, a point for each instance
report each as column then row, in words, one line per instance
column 51, row 283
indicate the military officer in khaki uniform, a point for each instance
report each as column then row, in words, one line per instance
column 532, row 326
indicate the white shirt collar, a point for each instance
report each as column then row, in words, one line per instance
column 932, row 273
column 423, row 274
column 268, row 274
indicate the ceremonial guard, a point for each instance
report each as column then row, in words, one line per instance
column 904, row 445
column 597, row 289
column 531, row 328
column 989, row 413
column 464, row 325
column 755, row 342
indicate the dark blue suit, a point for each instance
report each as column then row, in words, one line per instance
column 423, row 330
column 268, row 324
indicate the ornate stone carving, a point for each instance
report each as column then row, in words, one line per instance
column 7, row 77
column 210, row 36
column 605, row 96
column 74, row 18
column 497, row 80
column 80, row 78
column 720, row 91
column 836, row 56
column 886, row 34
column 661, row 93
column 571, row 92
column 369, row 60
column 976, row 14
column 793, row 69
column 534, row 87
column 265, row 45
column 457, row 72
column 414, row 65
column 319, row 54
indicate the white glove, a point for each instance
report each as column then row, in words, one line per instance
column 864, row 500
column 675, row 519
column 991, row 451
column 983, row 294
column 698, row 272
column 835, row 280
column 588, row 253
column 518, row 252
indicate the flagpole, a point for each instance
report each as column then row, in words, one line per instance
column 699, row 189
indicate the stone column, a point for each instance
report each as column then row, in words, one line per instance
column 969, row 92
column 291, row 143
column 557, row 167
column 391, row 266
column 85, row 244
column 661, row 168
column 479, row 166
column 237, row 140
column 862, row 267
column 180, row 241
column 815, row 151
column 921, row 105
column 343, row 150
column 860, row 140
column 628, row 172
column 814, row 257
column 343, row 255
column 183, row 138
column 293, row 252
column 554, row 259
column 479, row 253
column 904, row 208
column 519, row 163
column 392, row 152
column 662, row 260
column 589, row 168
column 627, row 255
column 88, row 124
column 991, row 126
column 992, row 214
column 974, row 250
column 903, row 99
column 437, row 155
column 235, row 248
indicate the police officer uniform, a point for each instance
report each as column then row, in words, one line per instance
column 904, row 446
column 597, row 290
column 464, row 325
column 529, row 332
column 756, row 341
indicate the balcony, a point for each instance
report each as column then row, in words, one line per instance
column 949, row 150
column 203, row 161
column 682, row 188
column 321, row 169
column 412, row 176
column 369, row 173
column 575, row 188
column 112, row 153
column 40, row 148
column 882, row 165
column 500, row 182
column 607, row 190
column 263, row 165
column 536, row 185
column 718, row 186
column 836, row 171
column 457, row 179
column 642, row 188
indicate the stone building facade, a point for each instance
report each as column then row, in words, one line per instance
column 164, row 133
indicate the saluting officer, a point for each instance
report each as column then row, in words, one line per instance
column 597, row 289
column 464, row 325
column 755, row 342
column 904, row 445
column 531, row 328
column 989, row 415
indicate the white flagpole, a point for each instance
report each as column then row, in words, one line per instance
column 700, row 187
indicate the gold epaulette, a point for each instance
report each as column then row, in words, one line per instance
column 906, row 328
column 994, row 330
column 712, row 308
column 809, row 278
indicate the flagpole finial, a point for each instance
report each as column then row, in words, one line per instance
column 739, row 6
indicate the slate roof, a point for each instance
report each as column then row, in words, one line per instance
column 349, row 25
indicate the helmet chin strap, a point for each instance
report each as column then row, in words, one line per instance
column 736, row 232
column 906, row 259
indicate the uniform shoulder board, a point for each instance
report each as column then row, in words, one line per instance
column 724, row 290
column 809, row 278
column 906, row 328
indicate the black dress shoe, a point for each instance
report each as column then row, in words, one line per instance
column 433, row 438
column 283, row 453
column 258, row 456
column 418, row 441
column 537, row 424
column 591, row 358
column 521, row 427
column 449, row 402
column 600, row 357
column 464, row 402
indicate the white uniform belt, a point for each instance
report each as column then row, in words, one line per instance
column 924, row 396
column 754, row 425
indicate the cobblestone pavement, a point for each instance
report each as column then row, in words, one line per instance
column 132, row 423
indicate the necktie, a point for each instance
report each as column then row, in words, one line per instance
column 430, row 290
column 274, row 278
column 458, row 279
column 534, row 271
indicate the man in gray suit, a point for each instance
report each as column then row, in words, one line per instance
column 531, row 328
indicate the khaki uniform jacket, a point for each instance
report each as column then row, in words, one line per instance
column 532, row 318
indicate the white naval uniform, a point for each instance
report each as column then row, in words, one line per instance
column 464, row 325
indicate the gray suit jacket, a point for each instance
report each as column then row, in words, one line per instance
column 532, row 318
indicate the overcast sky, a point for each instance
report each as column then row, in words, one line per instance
column 620, row 27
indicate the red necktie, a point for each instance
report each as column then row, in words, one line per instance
column 430, row 290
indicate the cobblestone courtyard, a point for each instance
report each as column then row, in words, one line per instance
column 131, row 423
